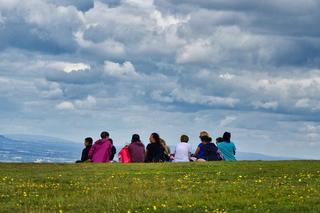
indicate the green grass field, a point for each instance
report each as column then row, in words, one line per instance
column 287, row 186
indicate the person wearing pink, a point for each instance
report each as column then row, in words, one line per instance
column 100, row 152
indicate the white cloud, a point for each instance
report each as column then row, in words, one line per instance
column 106, row 47
column 145, row 4
column 2, row 19
column 66, row 66
column 227, row 121
column 194, row 96
column 266, row 105
column 189, row 61
column 226, row 76
column 65, row 105
column 230, row 45
column 302, row 103
column 49, row 89
column 87, row 103
column 8, row 4
column 166, row 21
column 120, row 70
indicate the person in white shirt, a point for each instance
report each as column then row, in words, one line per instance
column 182, row 152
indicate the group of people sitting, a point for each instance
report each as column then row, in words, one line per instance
column 103, row 150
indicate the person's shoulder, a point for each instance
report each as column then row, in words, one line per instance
column 221, row 144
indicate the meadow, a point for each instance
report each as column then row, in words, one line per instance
column 257, row 186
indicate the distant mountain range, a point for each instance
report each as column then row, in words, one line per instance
column 34, row 148
column 23, row 148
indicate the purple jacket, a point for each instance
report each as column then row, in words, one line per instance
column 137, row 152
column 100, row 151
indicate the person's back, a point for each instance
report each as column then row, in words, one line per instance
column 100, row 152
column 211, row 152
column 85, row 152
column 228, row 150
column 227, row 147
column 182, row 152
column 137, row 152
column 155, row 152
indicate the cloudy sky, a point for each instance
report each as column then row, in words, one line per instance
column 71, row 68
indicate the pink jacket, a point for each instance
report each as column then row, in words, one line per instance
column 100, row 151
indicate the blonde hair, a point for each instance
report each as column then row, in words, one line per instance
column 165, row 147
column 204, row 133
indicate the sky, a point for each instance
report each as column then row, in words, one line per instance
column 72, row 68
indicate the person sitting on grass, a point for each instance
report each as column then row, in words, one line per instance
column 100, row 152
column 155, row 151
column 113, row 150
column 136, row 149
column 182, row 152
column 85, row 152
column 166, row 150
column 207, row 151
column 219, row 140
column 227, row 147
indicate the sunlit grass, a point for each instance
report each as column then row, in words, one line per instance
column 288, row 186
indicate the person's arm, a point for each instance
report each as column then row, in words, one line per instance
column 234, row 149
column 91, row 152
column 84, row 155
column 146, row 156
column 197, row 152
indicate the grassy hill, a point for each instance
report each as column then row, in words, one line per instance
column 287, row 186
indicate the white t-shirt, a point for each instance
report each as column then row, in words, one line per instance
column 182, row 152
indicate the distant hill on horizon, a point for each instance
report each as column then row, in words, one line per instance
column 34, row 148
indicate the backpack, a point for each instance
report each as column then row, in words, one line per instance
column 124, row 155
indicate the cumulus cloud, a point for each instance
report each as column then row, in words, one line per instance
column 87, row 103
column 266, row 105
column 120, row 70
column 66, row 66
column 193, row 64
column 227, row 121
column 65, row 105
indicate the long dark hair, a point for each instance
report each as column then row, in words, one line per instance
column 156, row 137
column 135, row 138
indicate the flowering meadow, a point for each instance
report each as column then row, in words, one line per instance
column 283, row 186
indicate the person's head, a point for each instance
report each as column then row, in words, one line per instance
column 219, row 140
column 88, row 141
column 104, row 135
column 135, row 138
column 204, row 133
column 205, row 139
column 184, row 138
column 154, row 138
column 226, row 136
column 111, row 141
